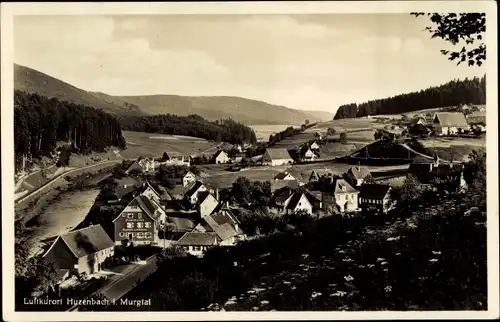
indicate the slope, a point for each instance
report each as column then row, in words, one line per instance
column 33, row 81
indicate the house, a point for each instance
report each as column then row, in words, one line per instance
column 188, row 178
column 309, row 155
column 207, row 203
column 276, row 157
column 287, row 201
column 319, row 135
column 135, row 167
column 148, row 164
column 196, row 243
column 193, row 194
column 280, row 184
column 316, row 174
column 343, row 196
column 284, row 176
column 314, row 146
column 125, row 190
column 178, row 160
column 449, row 123
column 356, row 175
column 138, row 222
column 224, row 224
column 428, row 170
column 177, row 223
column 238, row 157
column 478, row 117
column 82, row 251
column 418, row 120
column 220, row 157
column 375, row 196
column 315, row 197
column 151, row 193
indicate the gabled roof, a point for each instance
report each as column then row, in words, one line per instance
column 339, row 183
column 188, row 173
column 314, row 195
column 294, row 201
column 282, row 175
column 182, row 221
column 198, row 239
column 374, row 191
column 280, row 184
column 194, row 188
column 282, row 195
column 450, row 119
column 85, row 241
column 202, row 196
column 278, row 154
column 477, row 117
column 146, row 205
column 134, row 166
column 219, row 153
column 224, row 231
column 359, row 172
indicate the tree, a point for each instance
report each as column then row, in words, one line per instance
column 165, row 157
column 306, row 122
column 343, row 137
column 455, row 29
column 330, row 131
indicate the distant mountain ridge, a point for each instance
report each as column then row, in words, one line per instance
column 240, row 109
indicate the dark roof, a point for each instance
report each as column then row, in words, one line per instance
column 451, row 119
column 198, row 239
column 282, row 175
column 182, row 221
column 282, row 195
column 295, row 200
column 179, row 189
column 280, row 184
column 339, row 183
column 146, row 205
column 134, row 166
column 202, row 195
column 314, row 195
column 224, row 231
column 87, row 240
column 359, row 172
column 374, row 191
column 278, row 154
column 194, row 188
column 219, row 153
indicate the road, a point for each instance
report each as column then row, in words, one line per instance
column 61, row 175
column 120, row 285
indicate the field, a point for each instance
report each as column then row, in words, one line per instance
column 149, row 145
column 264, row 131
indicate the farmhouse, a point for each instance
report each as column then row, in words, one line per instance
column 81, row 251
column 356, row 175
column 284, row 176
column 276, row 157
column 137, row 222
column 286, row 201
column 343, row 196
column 375, row 196
column 449, row 123
column 196, row 243
column 221, row 157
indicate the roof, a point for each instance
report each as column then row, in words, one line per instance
column 281, row 196
column 182, row 221
column 198, row 239
column 133, row 166
column 219, row 153
column 374, row 191
column 451, row 119
column 194, row 188
column 319, row 172
column 278, row 154
column 224, row 231
column 359, row 172
column 179, row 189
column 203, row 195
column 280, row 184
column 188, row 172
column 339, row 183
column 87, row 240
column 477, row 117
column 314, row 194
column 294, row 201
column 146, row 205
column 225, row 217
column 282, row 175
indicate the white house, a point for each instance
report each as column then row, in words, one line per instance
column 309, row 155
column 284, row 176
column 358, row 174
column 276, row 157
column 221, row 157
column 314, row 146
column 188, row 179
column 193, row 194
column 343, row 196
column 449, row 123
column 299, row 202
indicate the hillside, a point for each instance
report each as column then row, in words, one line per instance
column 239, row 109
column 216, row 107
column 32, row 81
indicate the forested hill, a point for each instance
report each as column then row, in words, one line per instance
column 225, row 130
column 40, row 123
column 470, row 91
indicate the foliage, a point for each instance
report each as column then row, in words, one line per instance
column 453, row 28
column 192, row 125
column 253, row 194
column 170, row 174
column 343, row 138
column 418, row 130
column 330, row 131
column 306, row 122
column 453, row 93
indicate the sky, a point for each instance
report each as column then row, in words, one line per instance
column 309, row 62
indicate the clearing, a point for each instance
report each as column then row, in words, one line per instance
column 264, row 131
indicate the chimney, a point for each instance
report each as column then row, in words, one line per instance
column 217, row 194
column 124, row 186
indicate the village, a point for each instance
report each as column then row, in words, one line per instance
column 166, row 203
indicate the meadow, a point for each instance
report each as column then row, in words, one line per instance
column 264, row 131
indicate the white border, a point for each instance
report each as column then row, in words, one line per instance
column 8, row 10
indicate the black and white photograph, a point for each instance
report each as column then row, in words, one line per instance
column 249, row 159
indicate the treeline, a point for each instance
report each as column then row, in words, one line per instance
column 468, row 91
column 41, row 123
column 288, row 132
column 225, row 130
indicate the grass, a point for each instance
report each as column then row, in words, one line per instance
column 153, row 145
column 264, row 131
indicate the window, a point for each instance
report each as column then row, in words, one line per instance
column 130, row 216
column 196, row 248
column 139, row 216
column 140, row 224
column 121, row 234
column 140, row 235
column 148, row 235
column 130, row 225
column 148, row 224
